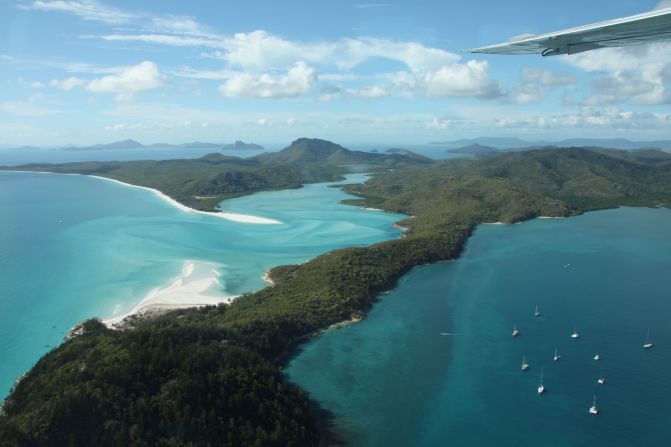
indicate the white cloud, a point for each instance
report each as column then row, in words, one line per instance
column 527, row 94
column 36, row 84
column 663, row 4
column 546, row 78
column 441, row 123
column 459, row 80
column 179, row 24
column 116, row 128
column 67, row 84
column 135, row 79
column 639, row 74
column 6, row 58
column 86, row 9
column 371, row 92
column 300, row 79
column 259, row 50
column 592, row 119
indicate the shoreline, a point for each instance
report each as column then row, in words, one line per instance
column 235, row 217
column 243, row 218
column 195, row 286
column 267, row 279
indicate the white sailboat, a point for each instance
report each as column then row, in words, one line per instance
column 593, row 409
column 537, row 313
column 575, row 334
column 525, row 365
column 541, row 387
column 597, row 357
column 515, row 331
column 557, row 356
column 601, row 379
column 648, row 343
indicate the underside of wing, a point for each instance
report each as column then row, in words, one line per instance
column 634, row 30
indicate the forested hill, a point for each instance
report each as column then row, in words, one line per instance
column 202, row 183
column 212, row 376
column 315, row 151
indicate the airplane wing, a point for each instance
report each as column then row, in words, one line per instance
column 633, row 30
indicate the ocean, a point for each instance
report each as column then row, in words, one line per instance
column 75, row 247
column 434, row 363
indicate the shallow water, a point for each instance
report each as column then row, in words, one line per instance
column 434, row 362
column 75, row 247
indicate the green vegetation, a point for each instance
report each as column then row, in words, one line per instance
column 204, row 182
column 211, row 376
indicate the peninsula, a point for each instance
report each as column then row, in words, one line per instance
column 212, row 375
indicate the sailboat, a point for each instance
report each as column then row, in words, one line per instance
column 648, row 343
column 597, row 357
column 575, row 334
column 525, row 365
column 515, row 331
column 541, row 387
column 593, row 409
column 537, row 312
column 557, row 356
column 601, row 379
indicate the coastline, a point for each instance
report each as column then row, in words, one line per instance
column 267, row 279
column 243, row 218
column 194, row 287
column 235, row 217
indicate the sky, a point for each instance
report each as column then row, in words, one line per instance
column 355, row 72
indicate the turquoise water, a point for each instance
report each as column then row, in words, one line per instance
column 74, row 247
column 394, row 380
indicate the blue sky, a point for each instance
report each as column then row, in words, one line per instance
column 376, row 72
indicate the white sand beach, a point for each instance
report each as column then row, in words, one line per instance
column 196, row 286
column 244, row 218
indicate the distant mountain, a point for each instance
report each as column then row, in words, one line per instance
column 125, row 144
column 495, row 142
column 307, row 151
column 242, row 146
column 474, row 149
column 132, row 144
column 509, row 143
column 197, row 145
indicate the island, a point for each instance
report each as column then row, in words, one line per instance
column 212, row 375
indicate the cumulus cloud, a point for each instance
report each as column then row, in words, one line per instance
column 130, row 80
column 589, row 118
column 546, row 78
column 442, row 123
column 639, row 74
column 430, row 72
column 300, row 79
column 527, row 94
column 459, row 80
column 371, row 92
column 67, row 84
column 254, row 59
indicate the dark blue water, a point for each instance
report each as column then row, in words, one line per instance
column 394, row 380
